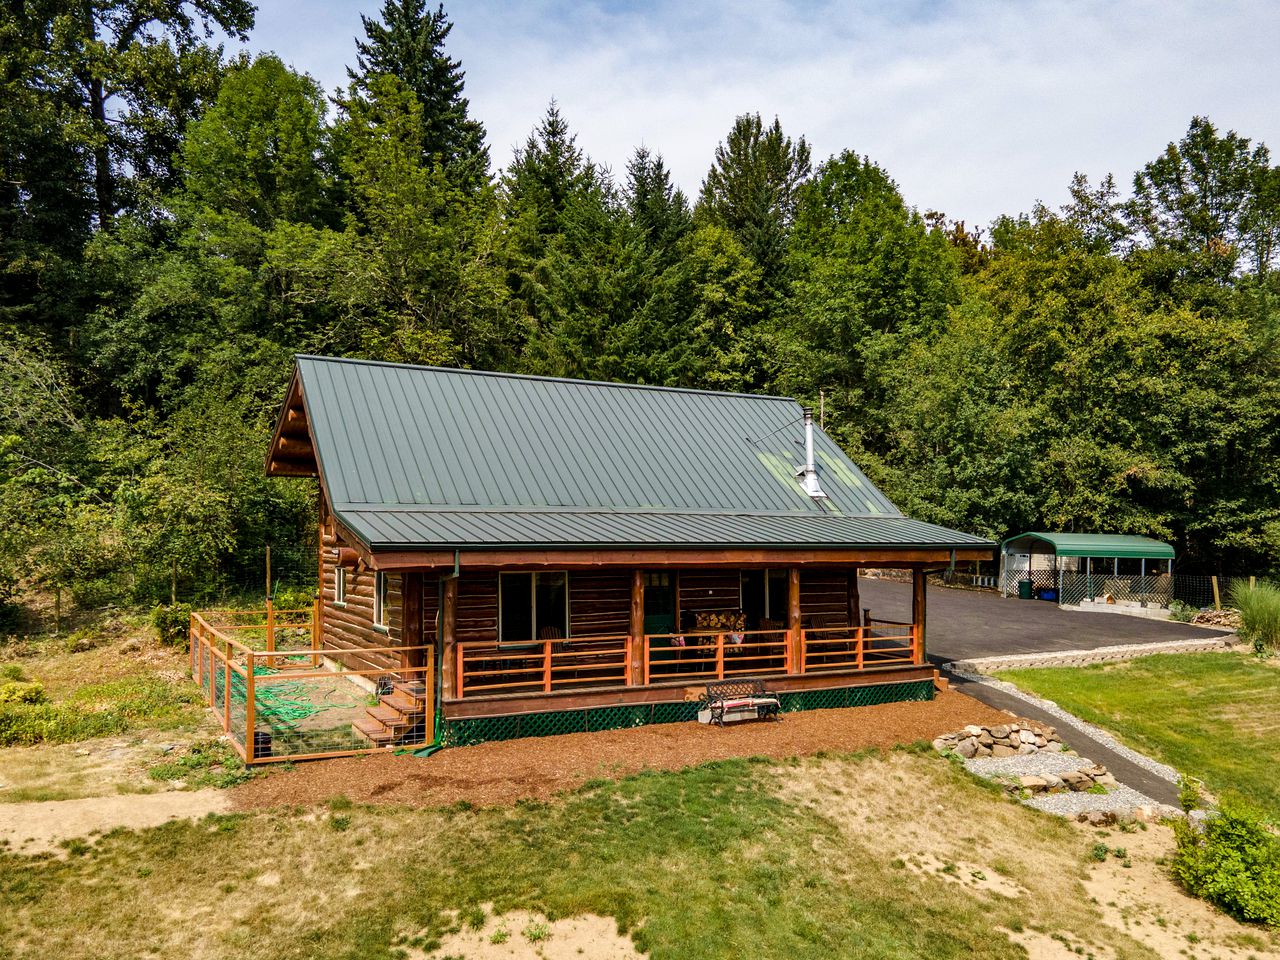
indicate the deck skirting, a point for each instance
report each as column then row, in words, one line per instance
column 467, row 730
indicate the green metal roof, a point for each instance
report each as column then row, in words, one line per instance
column 1091, row 545
column 429, row 456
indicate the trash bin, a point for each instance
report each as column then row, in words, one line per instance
column 1049, row 593
column 1024, row 590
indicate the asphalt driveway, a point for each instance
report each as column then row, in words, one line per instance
column 966, row 623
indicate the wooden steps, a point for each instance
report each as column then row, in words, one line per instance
column 397, row 715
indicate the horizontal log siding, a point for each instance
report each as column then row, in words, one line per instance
column 710, row 590
column 350, row 626
column 600, row 603
column 825, row 593
column 477, row 607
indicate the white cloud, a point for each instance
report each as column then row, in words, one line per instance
column 976, row 109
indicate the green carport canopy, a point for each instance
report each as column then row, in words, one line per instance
column 1089, row 545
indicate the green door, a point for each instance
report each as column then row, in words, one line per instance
column 659, row 602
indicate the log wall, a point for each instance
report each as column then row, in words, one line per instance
column 710, row 590
column 350, row 625
column 825, row 593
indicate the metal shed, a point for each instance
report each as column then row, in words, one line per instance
column 1083, row 568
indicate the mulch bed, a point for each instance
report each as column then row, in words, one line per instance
column 540, row 767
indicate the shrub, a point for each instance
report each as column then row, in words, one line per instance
column 293, row 598
column 172, row 623
column 1259, row 608
column 22, row 691
column 1182, row 612
column 1233, row 862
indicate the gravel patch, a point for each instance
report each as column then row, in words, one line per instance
column 1120, row 799
column 1026, row 765
column 1070, row 720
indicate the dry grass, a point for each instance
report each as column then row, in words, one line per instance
column 793, row 859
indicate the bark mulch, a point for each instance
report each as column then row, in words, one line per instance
column 540, row 767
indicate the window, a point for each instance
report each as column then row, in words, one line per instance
column 340, row 586
column 533, row 606
column 380, row 600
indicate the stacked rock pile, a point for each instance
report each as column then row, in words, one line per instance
column 1077, row 781
column 1000, row 740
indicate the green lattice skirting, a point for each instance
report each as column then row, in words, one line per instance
column 464, row 732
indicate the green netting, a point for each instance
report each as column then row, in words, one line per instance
column 465, row 732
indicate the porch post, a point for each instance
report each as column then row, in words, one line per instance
column 411, row 621
column 854, row 600
column 635, row 635
column 918, row 581
column 448, row 638
column 793, row 621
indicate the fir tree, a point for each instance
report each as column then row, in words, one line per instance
column 408, row 43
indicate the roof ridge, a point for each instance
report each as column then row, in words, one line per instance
column 525, row 509
column 544, row 379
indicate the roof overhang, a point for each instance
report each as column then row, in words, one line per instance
column 292, row 450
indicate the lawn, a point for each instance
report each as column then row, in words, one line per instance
column 896, row 856
column 1215, row 716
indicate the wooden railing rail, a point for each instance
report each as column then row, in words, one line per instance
column 541, row 665
column 857, row 648
column 708, row 654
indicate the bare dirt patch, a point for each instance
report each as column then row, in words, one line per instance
column 105, row 766
column 1144, row 902
column 30, row 828
column 912, row 814
column 540, row 767
column 521, row 935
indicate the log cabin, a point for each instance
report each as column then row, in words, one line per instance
column 576, row 555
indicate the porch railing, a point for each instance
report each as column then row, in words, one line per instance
column 542, row 665
column 706, row 655
column 858, row 648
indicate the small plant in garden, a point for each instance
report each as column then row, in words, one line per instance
column 500, row 936
column 207, row 763
column 1099, row 852
column 1259, row 608
column 1182, row 612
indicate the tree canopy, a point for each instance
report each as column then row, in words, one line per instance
column 176, row 222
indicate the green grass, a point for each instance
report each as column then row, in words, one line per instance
column 709, row 862
column 100, row 709
column 1215, row 716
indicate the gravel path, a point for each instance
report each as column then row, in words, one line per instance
column 1120, row 799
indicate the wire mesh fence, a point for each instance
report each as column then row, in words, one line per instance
column 1151, row 591
column 282, row 692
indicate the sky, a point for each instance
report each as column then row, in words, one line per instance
column 975, row 108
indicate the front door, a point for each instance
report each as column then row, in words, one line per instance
column 659, row 602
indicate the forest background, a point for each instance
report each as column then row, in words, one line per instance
column 176, row 222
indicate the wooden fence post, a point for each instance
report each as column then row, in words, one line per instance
column 546, row 666
column 250, row 711
column 315, row 633
column 1217, row 597
column 719, row 656
column 271, row 630
column 452, row 663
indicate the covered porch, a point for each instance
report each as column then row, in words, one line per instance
column 518, row 640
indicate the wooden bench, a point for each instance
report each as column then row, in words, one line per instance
column 740, row 700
